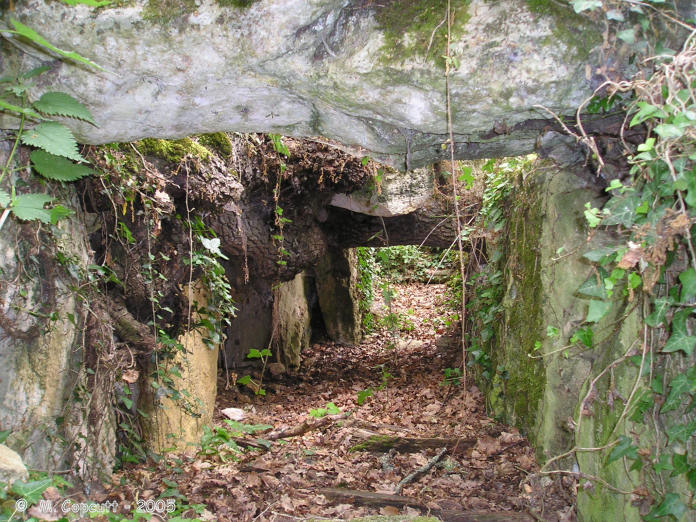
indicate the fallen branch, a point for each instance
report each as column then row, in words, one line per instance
column 370, row 498
column 307, row 425
column 420, row 471
column 383, row 443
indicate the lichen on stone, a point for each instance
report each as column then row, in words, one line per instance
column 570, row 28
column 418, row 28
column 241, row 4
column 163, row 11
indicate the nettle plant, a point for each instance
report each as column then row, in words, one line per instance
column 56, row 157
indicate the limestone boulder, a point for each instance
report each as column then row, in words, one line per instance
column 292, row 322
column 390, row 194
column 368, row 74
column 42, row 351
column 177, row 423
column 11, row 466
column 337, row 290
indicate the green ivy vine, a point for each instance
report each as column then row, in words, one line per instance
column 652, row 263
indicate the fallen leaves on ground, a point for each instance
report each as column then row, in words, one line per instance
column 404, row 373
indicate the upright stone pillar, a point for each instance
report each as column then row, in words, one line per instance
column 337, row 288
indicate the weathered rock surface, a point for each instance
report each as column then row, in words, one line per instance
column 390, row 194
column 11, row 466
column 336, row 282
column 540, row 390
column 43, row 358
column 179, row 423
column 291, row 320
column 365, row 73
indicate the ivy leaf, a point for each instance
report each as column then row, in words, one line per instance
column 56, row 168
column 688, row 281
column 621, row 210
column 628, row 36
column 680, row 464
column 584, row 335
column 594, row 286
column 597, row 310
column 213, row 246
column 671, row 505
column 678, row 387
column 4, row 199
column 30, row 34
column 584, row 5
column 646, row 112
column 62, row 104
column 624, row 448
column 680, row 339
column 661, row 305
column 664, row 463
column 29, row 207
column 53, row 137
column 614, row 14
column 667, row 131
column 598, row 254
column 691, row 189
column 680, row 432
column 643, row 404
column 691, row 476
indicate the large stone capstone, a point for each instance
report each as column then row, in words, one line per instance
column 368, row 74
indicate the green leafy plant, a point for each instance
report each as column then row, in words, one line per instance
column 451, row 377
column 385, row 376
column 220, row 309
column 329, row 409
column 57, row 157
column 653, row 261
column 279, row 219
column 246, row 380
column 363, row 395
column 220, row 441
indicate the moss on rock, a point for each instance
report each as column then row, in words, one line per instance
column 217, row 142
column 241, row 4
column 409, row 26
column 163, row 11
column 172, row 150
column 523, row 312
column 569, row 27
column 384, row 441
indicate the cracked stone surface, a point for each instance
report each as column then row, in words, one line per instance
column 317, row 67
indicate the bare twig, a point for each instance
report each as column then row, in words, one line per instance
column 420, row 471
column 307, row 425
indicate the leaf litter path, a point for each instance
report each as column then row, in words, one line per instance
column 481, row 469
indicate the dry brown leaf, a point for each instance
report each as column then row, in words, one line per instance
column 631, row 257
column 389, row 511
column 130, row 376
column 488, row 445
